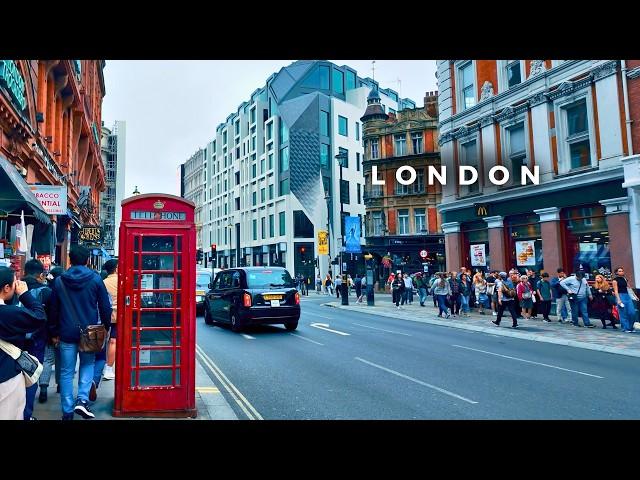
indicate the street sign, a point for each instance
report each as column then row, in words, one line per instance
column 424, row 253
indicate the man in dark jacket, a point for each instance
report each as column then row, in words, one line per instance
column 79, row 299
column 37, row 284
column 16, row 322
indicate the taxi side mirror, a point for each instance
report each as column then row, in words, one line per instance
column 211, row 286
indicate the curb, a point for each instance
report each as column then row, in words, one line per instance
column 508, row 333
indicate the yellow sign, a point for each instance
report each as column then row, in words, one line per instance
column 323, row 242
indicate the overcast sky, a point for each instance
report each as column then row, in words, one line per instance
column 172, row 108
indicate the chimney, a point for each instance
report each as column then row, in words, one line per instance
column 431, row 103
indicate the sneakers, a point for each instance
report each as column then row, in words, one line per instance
column 93, row 394
column 591, row 325
column 448, row 316
column 546, row 320
column 108, row 374
column 42, row 398
column 495, row 314
column 495, row 322
column 514, row 326
column 82, row 409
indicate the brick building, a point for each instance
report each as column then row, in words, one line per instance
column 569, row 118
column 50, row 112
column 402, row 220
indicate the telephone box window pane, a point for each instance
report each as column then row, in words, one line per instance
column 156, row 319
column 136, row 244
column 158, row 262
column 155, row 358
column 156, row 338
column 179, row 244
column 136, row 279
column 151, row 378
column 159, row 300
column 150, row 281
column 157, row 244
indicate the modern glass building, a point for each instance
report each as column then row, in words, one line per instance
column 272, row 181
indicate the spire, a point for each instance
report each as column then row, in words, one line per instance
column 374, row 107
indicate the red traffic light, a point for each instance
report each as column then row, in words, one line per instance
column 301, row 249
column 213, row 247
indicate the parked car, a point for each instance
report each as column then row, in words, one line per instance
column 203, row 279
column 253, row 296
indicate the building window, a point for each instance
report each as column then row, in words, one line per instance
column 263, row 195
column 345, row 161
column 344, row 191
column 517, row 151
column 420, row 216
column 577, row 135
column 284, row 186
column 284, row 159
column 513, row 71
column 374, row 149
column 253, row 115
column 269, row 130
column 400, row 142
column 324, row 123
column 263, row 164
column 338, row 81
column 263, row 228
column 254, row 170
column 359, row 194
column 416, row 140
column 418, row 185
column 254, row 198
column 224, row 137
column 271, row 191
column 586, row 235
column 324, row 155
column 358, row 161
column 403, row 222
column 272, row 227
column 270, row 165
column 237, row 126
column 255, row 228
column 342, row 126
column 377, row 223
column 284, row 132
column 357, row 131
column 351, row 80
column 469, row 157
column 403, row 189
column 281, row 223
column 467, row 86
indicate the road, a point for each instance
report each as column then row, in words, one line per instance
column 353, row 365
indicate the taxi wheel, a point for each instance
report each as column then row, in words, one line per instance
column 291, row 325
column 235, row 323
column 207, row 316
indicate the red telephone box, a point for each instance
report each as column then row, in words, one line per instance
column 155, row 355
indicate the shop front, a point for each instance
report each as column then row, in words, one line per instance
column 475, row 250
column 524, row 242
column 586, row 239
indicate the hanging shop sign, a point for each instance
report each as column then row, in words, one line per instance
column 53, row 198
column 90, row 234
column 323, row 242
column 11, row 79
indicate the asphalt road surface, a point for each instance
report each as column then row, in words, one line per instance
column 354, row 365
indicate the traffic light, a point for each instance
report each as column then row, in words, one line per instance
column 199, row 255
column 214, row 254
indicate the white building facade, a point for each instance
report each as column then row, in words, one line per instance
column 193, row 188
column 113, row 150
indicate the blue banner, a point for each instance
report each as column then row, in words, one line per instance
column 352, row 235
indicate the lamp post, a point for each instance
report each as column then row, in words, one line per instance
column 230, row 227
column 327, row 198
column 135, row 191
column 341, row 157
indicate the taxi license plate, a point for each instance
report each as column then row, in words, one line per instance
column 272, row 297
column 275, row 303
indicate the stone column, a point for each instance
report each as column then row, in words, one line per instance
column 452, row 245
column 617, row 212
column 497, row 249
column 632, row 184
column 550, row 231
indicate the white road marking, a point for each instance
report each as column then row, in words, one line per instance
column 529, row 361
column 248, row 337
column 318, row 315
column 420, row 382
column 382, row 329
column 305, row 338
column 325, row 326
column 240, row 399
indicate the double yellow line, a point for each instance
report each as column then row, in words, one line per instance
column 243, row 403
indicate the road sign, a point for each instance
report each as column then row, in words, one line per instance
column 423, row 253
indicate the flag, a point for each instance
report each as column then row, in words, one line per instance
column 21, row 235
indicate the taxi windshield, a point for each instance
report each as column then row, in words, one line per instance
column 269, row 278
column 203, row 280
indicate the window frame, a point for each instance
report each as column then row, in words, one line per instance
column 402, row 140
column 417, row 136
column 465, row 190
column 505, row 135
column 400, row 223
column 346, row 126
column 424, row 216
column 503, row 74
column 560, row 107
column 459, row 66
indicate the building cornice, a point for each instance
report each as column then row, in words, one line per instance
column 634, row 73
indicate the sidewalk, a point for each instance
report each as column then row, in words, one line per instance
column 609, row 340
column 210, row 402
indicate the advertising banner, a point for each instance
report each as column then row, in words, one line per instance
column 352, row 234
column 525, row 253
column 323, row 242
column 478, row 257
column 52, row 198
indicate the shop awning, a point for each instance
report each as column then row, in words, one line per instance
column 15, row 194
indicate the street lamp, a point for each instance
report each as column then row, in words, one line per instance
column 327, row 199
column 135, row 191
column 230, row 227
column 342, row 158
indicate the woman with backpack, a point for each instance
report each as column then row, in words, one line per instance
column 525, row 296
column 603, row 301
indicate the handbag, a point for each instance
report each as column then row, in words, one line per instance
column 93, row 337
column 30, row 365
column 573, row 296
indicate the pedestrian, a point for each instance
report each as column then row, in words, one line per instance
column 480, row 288
column 465, row 293
column 79, row 299
column 533, row 279
column 544, row 294
column 623, row 292
column 51, row 351
column 492, row 292
column 318, row 285
column 454, row 298
column 357, row 285
column 408, row 289
column 514, row 276
column 397, row 287
column 16, row 322
column 338, row 284
column 421, row 285
column 603, row 301
column 525, row 296
column 111, row 283
column 34, row 277
column 563, row 306
column 349, row 284
column 432, row 282
column 506, row 295
column 578, row 289
column 328, row 284
column 441, row 292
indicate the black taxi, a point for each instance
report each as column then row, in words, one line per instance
column 253, row 296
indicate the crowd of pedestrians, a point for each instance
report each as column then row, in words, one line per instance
column 44, row 315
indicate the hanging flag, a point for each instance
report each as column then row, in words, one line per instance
column 21, row 235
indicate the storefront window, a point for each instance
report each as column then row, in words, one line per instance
column 525, row 242
column 476, row 246
column 586, row 239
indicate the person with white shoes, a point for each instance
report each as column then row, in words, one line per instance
column 111, row 282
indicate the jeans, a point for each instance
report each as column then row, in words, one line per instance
column 51, row 358
column 405, row 297
column 545, row 308
column 422, row 292
column 580, row 306
column 628, row 313
column 38, row 351
column 442, row 304
column 101, row 360
column 68, row 356
column 465, row 303
column 563, row 302
column 455, row 303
